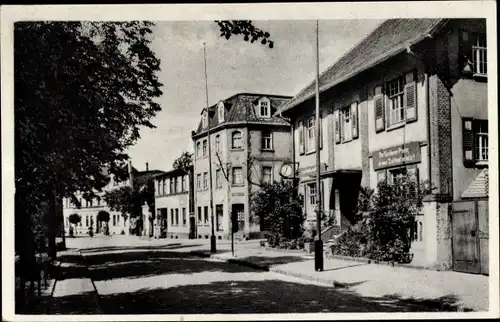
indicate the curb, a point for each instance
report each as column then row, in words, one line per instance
column 371, row 261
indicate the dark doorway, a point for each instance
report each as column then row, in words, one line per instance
column 239, row 209
column 192, row 227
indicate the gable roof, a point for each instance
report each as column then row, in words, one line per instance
column 390, row 38
column 240, row 108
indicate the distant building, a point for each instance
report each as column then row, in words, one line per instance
column 90, row 208
column 248, row 145
column 410, row 98
column 174, row 205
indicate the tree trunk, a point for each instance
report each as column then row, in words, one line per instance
column 51, row 222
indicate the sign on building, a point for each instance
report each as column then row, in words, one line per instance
column 398, row 155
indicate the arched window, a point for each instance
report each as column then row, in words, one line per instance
column 198, row 149
column 236, row 140
column 217, row 143
column 205, row 148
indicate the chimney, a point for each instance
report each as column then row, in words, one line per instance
column 147, row 167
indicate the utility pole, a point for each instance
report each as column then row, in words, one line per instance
column 212, row 236
column 225, row 173
column 318, row 243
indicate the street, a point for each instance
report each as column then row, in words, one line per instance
column 167, row 278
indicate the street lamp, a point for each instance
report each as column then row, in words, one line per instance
column 318, row 243
column 213, row 247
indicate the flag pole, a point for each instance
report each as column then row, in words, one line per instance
column 318, row 243
column 213, row 247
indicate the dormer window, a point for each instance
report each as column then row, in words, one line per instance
column 220, row 112
column 204, row 119
column 265, row 108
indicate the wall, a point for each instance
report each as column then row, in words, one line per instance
column 175, row 201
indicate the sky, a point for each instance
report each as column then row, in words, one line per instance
column 233, row 66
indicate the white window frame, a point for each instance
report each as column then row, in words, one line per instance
column 311, row 134
column 312, row 193
column 479, row 55
column 265, row 106
column 481, row 141
column 205, row 148
column 205, row 180
column 346, row 126
column 218, row 178
column 395, row 95
column 220, row 112
column 198, row 181
column 217, row 143
column 198, row 149
column 238, row 136
column 264, row 168
column 234, row 177
column 267, row 140
column 184, row 183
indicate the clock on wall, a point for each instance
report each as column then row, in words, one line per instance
column 286, row 170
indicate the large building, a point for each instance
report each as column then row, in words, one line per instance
column 248, row 147
column 409, row 98
column 174, row 203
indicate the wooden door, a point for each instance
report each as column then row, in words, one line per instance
column 465, row 237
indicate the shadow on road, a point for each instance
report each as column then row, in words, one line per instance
column 272, row 261
column 263, row 296
column 115, row 248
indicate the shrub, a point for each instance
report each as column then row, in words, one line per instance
column 122, row 232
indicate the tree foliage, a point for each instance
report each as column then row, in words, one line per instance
column 103, row 216
column 75, row 219
column 245, row 28
column 184, row 162
column 385, row 234
column 126, row 200
column 279, row 212
column 82, row 93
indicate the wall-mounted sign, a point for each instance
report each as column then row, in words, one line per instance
column 398, row 155
column 311, row 170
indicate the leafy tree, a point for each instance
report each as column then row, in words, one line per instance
column 279, row 212
column 184, row 162
column 125, row 200
column 82, row 92
column 247, row 29
column 75, row 219
column 103, row 216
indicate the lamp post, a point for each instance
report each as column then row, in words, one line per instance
column 213, row 248
column 318, row 243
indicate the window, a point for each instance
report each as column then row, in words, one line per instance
column 267, row 140
column 178, row 184
column 479, row 62
column 300, row 126
column 265, row 108
column 87, row 221
column 219, row 216
column 237, row 175
column 114, row 220
column 205, row 180
column 236, row 140
column 481, row 140
column 158, row 188
column 312, row 193
column 220, row 110
column 184, row 183
column 164, row 186
column 198, row 150
column 172, row 185
column 205, row 148
column 199, row 215
column 311, row 133
column 267, row 174
column 198, row 181
column 396, row 174
column 117, row 220
column 217, row 143
column 475, row 142
column 218, row 178
column 205, row 119
column 172, row 217
column 184, row 219
column 346, row 126
column 395, row 90
column 177, row 216
column 98, row 201
column 205, row 217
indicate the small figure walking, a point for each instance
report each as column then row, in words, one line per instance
column 91, row 231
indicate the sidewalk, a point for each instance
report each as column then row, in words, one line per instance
column 74, row 292
column 458, row 291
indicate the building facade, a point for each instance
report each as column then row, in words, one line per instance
column 174, row 205
column 410, row 98
column 248, row 146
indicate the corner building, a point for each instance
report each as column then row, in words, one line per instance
column 248, row 146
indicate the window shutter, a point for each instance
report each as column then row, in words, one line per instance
column 337, row 126
column 320, row 130
column 410, row 97
column 468, row 142
column 378, row 105
column 354, row 118
column 301, row 138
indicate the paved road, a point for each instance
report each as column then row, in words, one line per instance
column 167, row 279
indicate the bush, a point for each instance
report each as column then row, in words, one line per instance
column 122, row 232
